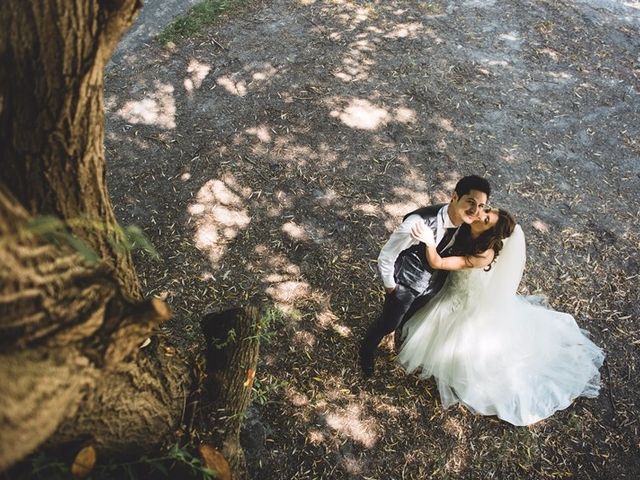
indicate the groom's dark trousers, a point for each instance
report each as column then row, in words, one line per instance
column 411, row 268
column 398, row 307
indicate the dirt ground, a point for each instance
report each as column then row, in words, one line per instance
column 270, row 158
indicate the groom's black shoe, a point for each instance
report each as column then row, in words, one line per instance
column 367, row 362
column 367, row 368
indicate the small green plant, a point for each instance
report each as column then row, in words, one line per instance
column 267, row 325
column 162, row 465
column 264, row 390
column 219, row 344
column 44, row 466
column 156, row 467
column 198, row 17
column 56, row 231
column 194, row 463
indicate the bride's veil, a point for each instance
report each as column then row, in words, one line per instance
column 506, row 273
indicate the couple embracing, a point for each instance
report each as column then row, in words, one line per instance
column 451, row 273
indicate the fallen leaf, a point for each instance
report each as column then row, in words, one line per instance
column 84, row 462
column 214, row 460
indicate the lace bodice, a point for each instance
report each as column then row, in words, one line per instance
column 466, row 283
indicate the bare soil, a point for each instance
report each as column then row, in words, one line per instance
column 270, row 158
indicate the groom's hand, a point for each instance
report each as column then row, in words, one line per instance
column 422, row 233
column 389, row 290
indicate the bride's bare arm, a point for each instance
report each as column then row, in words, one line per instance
column 458, row 263
column 479, row 260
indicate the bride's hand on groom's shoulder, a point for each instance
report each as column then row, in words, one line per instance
column 422, row 233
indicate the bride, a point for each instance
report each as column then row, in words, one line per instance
column 494, row 351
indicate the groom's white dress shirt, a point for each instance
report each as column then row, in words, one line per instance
column 401, row 239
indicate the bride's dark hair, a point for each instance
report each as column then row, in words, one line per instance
column 491, row 239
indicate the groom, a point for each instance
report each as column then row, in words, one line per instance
column 408, row 279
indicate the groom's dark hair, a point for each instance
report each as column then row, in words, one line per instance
column 472, row 182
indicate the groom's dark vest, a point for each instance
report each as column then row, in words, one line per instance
column 411, row 267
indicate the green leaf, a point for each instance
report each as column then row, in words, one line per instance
column 130, row 473
column 44, row 224
column 177, row 453
column 119, row 242
column 161, row 468
column 208, row 473
column 139, row 239
column 81, row 247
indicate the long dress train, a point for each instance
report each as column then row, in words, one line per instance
column 496, row 352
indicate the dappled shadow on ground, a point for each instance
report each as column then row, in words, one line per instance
column 270, row 158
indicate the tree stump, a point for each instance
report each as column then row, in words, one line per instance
column 232, row 355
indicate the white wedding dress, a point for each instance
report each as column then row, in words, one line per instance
column 499, row 353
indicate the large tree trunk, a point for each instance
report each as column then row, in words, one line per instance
column 53, row 54
column 71, row 366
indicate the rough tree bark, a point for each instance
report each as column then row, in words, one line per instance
column 71, row 366
column 53, row 54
